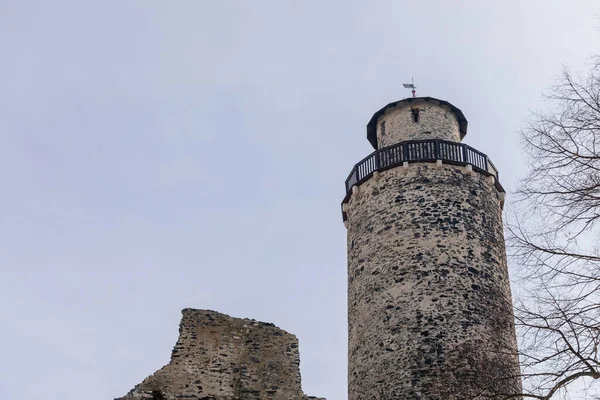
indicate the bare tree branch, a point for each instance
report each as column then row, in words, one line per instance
column 553, row 241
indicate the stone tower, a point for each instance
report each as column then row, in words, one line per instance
column 429, row 303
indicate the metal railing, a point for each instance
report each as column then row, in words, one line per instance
column 420, row 151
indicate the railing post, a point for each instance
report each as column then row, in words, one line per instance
column 354, row 176
column 495, row 170
column 465, row 154
column 437, row 150
column 377, row 165
column 404, row 152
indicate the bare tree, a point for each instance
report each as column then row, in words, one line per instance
column 553, row 241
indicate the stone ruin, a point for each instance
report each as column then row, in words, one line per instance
column 218, row 357
column 429, row 302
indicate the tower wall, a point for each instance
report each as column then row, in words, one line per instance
column 435, row 122
column 429, row 302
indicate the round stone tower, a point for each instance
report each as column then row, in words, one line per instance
column 429, row 303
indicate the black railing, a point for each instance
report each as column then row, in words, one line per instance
column 420, row 151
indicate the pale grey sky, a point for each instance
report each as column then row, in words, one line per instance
column 157, row 155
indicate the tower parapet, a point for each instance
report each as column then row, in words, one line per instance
column 416, row 118
column 429, row 302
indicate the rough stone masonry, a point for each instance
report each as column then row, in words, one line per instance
column 218, row 357
column 429, row 302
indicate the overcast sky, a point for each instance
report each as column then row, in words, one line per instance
column 157, row 155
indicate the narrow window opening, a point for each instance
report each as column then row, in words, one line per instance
column 415, row 114
column 382, row 128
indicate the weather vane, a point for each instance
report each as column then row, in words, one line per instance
column 411, row 86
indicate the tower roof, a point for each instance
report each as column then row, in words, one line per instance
column 372, row 125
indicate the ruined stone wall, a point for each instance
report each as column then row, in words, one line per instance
column 430, row 314
column 218, row 357
column 435, row 122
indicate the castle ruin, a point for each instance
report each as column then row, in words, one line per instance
column 218, row 357
column 429, row 303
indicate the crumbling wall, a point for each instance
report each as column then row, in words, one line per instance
column 218, row 357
